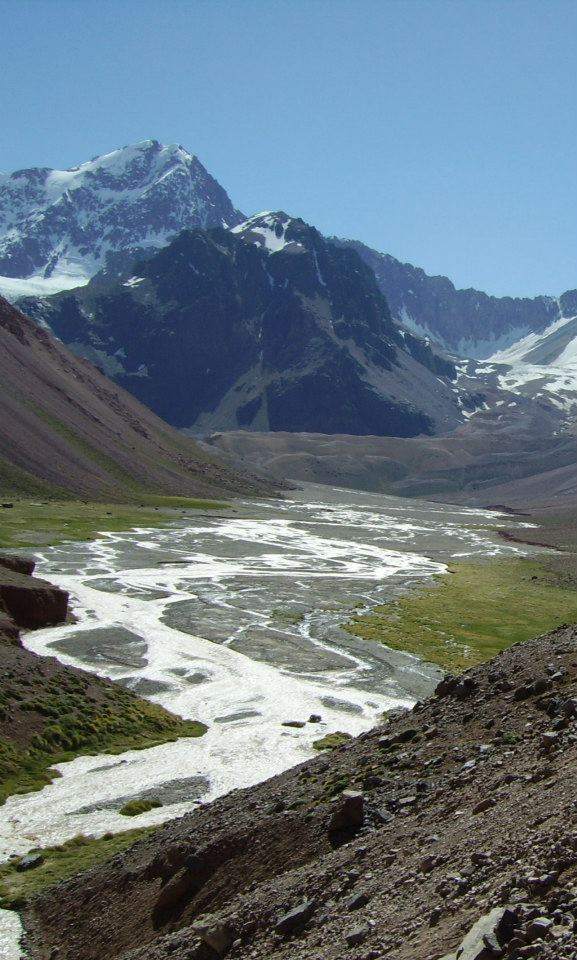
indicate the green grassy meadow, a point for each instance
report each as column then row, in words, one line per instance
column 472, row 613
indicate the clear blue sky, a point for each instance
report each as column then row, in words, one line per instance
column 443, row 132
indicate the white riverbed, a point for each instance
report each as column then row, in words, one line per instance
column 234, row 619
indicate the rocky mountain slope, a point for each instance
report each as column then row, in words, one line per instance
column 59, row 227
column 265, row 327
column 449, row 832
column 466, row 322
column 65, row 428
column 522, row 345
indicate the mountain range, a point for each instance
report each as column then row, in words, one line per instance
column 525, row 345
column 266, row 327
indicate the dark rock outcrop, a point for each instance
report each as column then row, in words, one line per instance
column 218, row 331
column 17, row 564
column 9, row 632
column 31, row 602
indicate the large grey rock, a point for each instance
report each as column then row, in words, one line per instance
column 488, row 936
column 216, row 933
column 296, row 918
column 349, row 811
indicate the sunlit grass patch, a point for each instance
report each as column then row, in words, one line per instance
column 331, row 740
column 472, row 613
column 32, row 523
column 135, row 807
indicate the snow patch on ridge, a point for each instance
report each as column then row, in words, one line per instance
column 268, row 231
column 543, row 364
column 15, row 288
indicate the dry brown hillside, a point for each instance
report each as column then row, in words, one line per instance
column 65, row 428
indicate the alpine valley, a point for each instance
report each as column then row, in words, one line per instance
column 300, row 511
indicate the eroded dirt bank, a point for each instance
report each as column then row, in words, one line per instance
column 464, row 804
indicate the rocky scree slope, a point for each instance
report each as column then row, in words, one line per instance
column 485, row 462
column 394, row 845
column 266, row 327
column 466, row 322
column 59, row 227
column 64, row 428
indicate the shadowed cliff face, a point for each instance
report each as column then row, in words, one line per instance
column 222, row 330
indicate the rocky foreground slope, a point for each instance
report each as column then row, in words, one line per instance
column 449, row 831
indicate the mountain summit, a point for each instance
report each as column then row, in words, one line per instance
column 59, row 227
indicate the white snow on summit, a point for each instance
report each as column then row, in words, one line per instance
column 58, row 226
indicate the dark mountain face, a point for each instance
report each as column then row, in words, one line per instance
column 63, row 224
column 466, row 322
column 265, row 327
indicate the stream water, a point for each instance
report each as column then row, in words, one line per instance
column 235, row 619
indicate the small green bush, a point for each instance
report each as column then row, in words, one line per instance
column 135, row 807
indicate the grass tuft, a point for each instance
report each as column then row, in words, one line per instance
column 135, row 807
column 332, row 740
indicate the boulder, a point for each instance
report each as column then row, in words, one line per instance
column 349, row 811
column 29, row 862
column 358, row 900
column 296, row 918
column 357, row 935
column 18, row 564
column 488, row 936
column 218, row 934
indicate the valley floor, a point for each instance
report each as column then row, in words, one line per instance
column 462, row 806
column 253, row 599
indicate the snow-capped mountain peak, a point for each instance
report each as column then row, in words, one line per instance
column 57, row 227
column 270, row 231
